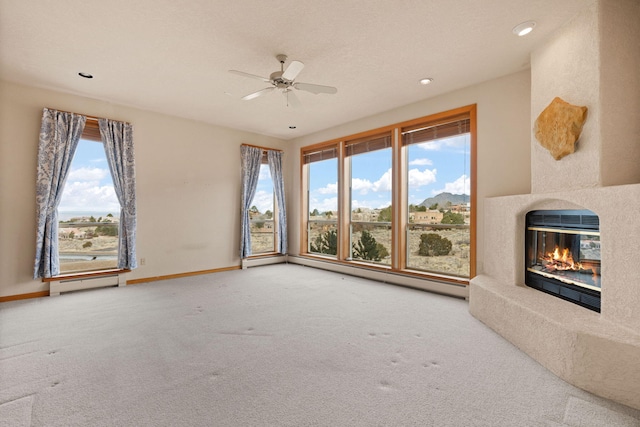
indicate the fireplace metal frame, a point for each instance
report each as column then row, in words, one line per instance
column 562, row 220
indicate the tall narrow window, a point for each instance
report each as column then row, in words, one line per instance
column 438, row 180
column 370, row 161
column 321, row 168
column 261, row 213
column 88, row 213
column 60, row 135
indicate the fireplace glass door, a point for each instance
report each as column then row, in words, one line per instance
column 563, row 255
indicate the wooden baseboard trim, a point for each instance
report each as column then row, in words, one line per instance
column 24, row 296
column 179, row 275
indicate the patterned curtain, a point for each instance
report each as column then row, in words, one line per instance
column 59, row 136
column 117, row 138
column 275, row 166
column 251, row 159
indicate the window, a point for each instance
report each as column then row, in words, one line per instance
column 60, row 135
column 403, row 196
column 321, row 229
column 370, row 198
column 439, row 189
column 88, row 213
column 261, row 214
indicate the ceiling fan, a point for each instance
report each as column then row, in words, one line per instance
column 285, row 81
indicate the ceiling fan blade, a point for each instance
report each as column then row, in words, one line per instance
column 258, row 93
column 315, row 88
column 292, row 99
column 293, row 70
column 253, row 76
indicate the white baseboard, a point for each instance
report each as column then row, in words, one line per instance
column 68, row 285
column 266, row 260
column 445, row 288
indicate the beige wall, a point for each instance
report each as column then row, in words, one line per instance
column 504, row 144
column 188, row 173
column 592, row 61
column 188, row 186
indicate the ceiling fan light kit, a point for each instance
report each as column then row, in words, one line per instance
column 285, row 80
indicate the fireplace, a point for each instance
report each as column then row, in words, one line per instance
column 563, row 255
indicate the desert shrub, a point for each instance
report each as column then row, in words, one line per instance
column 432, row 244
column 326, row 243
column 452, row 218
column 87, row 245
column 368, row 248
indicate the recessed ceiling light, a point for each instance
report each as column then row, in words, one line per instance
column 426, row 81
column 85, row 75
column 524, row 28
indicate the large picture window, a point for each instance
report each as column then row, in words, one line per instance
column 399, row 198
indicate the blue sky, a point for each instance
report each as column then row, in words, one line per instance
column 89, row 187
column 434, row 167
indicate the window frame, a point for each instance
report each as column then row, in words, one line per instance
column 91, row 132
column 399, row 211
column 274, row 215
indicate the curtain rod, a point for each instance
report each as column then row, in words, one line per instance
column 263, row 148
column 88, row 117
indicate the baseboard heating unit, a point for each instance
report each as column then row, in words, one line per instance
column 81, row 283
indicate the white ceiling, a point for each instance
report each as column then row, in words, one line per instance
column 173, row 56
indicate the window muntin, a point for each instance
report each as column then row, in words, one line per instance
column 88, row 213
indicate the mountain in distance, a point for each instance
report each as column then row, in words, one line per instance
column 442, row 199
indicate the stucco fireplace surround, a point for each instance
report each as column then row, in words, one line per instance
column 593, row 61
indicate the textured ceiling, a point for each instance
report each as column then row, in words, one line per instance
column 173, row 56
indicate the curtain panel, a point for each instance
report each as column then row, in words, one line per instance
column 59, row 136
column 251, row 160
column 275, row 166
column 117, row 138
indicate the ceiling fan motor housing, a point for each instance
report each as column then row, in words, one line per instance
column 278, row 81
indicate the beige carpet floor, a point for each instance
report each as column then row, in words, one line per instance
column 280, row 345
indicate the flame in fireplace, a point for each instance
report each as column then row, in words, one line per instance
column 561, row 259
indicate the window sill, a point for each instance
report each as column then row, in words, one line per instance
column 85, row 275
column 406, row 272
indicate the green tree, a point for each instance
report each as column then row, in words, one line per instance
column 433, row 207
column 315, row 212
column 92, row 219
column 385, row 214
column 109, row 216
column 87, row 245
column 259, row 225
column 268, row 214
column 100, row 219
column 72, row 235
column 432, row 244
column 254, row 210
column 326, row 243
column 452, row 218
column 368, row 248
column 106, row 230
column 328, row 214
